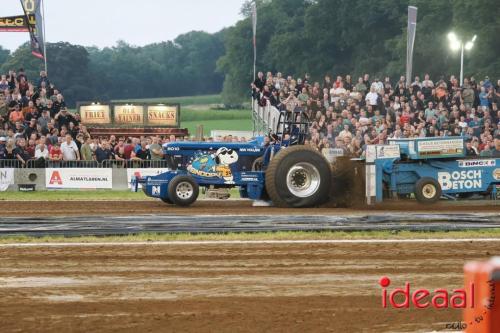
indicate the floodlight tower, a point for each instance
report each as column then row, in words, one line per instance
column 457, row 44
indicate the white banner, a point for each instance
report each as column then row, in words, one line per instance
column 75, row 178
column 441, row 147
column 143, row 173
column 6, row 178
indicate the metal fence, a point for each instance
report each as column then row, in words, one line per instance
column 43, row 164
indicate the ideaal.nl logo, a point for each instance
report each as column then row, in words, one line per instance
column 406, row 298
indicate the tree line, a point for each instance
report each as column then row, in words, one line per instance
column 337, row 37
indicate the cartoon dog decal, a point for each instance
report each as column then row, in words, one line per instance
column 224, row 157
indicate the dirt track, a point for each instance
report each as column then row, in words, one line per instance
column 225, row 287
column 231, row 207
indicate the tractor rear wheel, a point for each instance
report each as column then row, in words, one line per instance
column 298, row 176
column 427, row 190
column 183, row 190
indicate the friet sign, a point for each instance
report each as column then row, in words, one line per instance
column 95, row 114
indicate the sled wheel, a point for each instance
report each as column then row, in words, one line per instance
column 183, row 190
column 298, row 176
column 427, row 190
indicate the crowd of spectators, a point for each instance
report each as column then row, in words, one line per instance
column 349, row 114
column 36, row 125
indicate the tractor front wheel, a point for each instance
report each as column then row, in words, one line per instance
column 183, row 190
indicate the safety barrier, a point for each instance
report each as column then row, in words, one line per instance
column 43, row 164
column 10, row 164
column 265, row 117
column 146, row 164
column 40, row 163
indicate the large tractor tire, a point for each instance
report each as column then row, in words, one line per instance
column 427, row 190
column 298, row 176
column 183, row 190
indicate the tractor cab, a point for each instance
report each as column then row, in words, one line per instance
column 292, row 128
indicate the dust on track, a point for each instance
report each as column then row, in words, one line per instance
column 228, row 207
column 226, row 287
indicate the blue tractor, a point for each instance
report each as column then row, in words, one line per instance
column 277, row 168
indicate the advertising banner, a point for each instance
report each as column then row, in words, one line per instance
column 163, row 115
column 16, row 23
column 441, row 148
column 129, row 114
column 31, row 7
column 75, row 178
column 98, row 114
column 143, row 173
column 6, row 178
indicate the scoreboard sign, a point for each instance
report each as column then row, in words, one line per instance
column 130, row 114
column 96, row 114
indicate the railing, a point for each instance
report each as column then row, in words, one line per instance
column 147, row 164
column 43, row 164
column 265, row 117
column 10, row 164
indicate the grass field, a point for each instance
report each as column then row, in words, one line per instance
column 183, row 101
column 258, row 236
column 84, row 195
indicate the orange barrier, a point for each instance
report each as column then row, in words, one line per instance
column 483, row 316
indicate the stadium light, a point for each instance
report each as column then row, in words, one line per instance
column 455, row 45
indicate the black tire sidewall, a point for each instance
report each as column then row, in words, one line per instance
column 172, row 193
column 287, row 162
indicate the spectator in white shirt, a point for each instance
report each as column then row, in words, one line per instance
column 70, row 149
column 372, row 97
column 41, row 151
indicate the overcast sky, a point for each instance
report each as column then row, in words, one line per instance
column 138, row 22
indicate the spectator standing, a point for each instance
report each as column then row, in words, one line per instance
column 3, row 148
column 69, row 149
column 156, row 150
column 86, row 151
column 20, row 152
column 104, row 152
